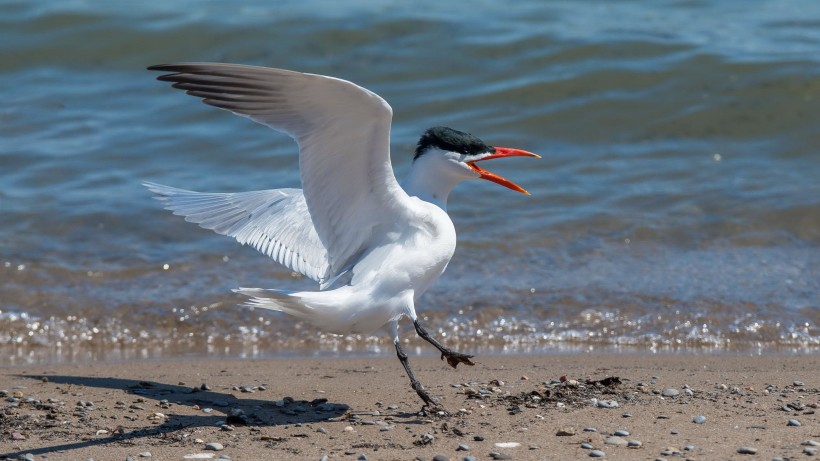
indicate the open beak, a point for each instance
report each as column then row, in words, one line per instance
column 502, row 152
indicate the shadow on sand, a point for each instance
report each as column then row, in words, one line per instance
column 227, row 409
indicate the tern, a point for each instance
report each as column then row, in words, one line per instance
column 373, row 245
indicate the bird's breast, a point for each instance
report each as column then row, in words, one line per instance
column 410, row 257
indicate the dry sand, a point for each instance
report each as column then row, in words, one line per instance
column 346, row 408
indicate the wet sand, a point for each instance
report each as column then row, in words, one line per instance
column 516, row 408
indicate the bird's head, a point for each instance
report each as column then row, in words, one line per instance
column 456, row 154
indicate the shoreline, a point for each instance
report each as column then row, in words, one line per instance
column 306, row 408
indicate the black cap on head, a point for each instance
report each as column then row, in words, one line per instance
column 451, row 140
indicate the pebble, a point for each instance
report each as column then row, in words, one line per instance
column 463, row 447
column 440, row 458
column 607, row 404
column 621, row 433
column 507, row 444
column 700, row 419
column 747, row 450
column 617, row 441
column 689, row 448
column 469, row 458
column 634, row 443
column 145, row 454
column 587, row 446
column 811, row 443
column 798, row 383
column 670, row 392
column 590, row 429
column 499, row 456
column 565, row 432
column 810, row 451
column 478, row 438
column 596, row 454
column 427, row 438
column 362, row 457
column 29, row 457
column 626, row 415
column 793, row 422
column 214, row 446
column 322, row 430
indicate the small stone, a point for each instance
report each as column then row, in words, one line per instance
column 566, row 432
column 617, row 441
column 499, row 456
column 793, row 422
column 463, row 447
column 507, row 444
column 590, row 429
column 670, row 392
column 214, row 446
column 587, row 446
column 689, row 448
column 798, row 384
column 621, row 433
column 427, row 438
column 469, row 458
column 700, row 419
column 596, row 454
column 205, row 387
column 478, row 438
column 811, row 443
column 689, row 392
column 810, row 451
column 362, row 457
column 145, row 454
column 747, row 450
column 607, row 404
column 634, row 443
column 322, row 430
column 17, row 436
column 440, row 458
column 626, row 415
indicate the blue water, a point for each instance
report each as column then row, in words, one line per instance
column 677, row 204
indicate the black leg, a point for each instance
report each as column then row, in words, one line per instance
column 413, row 381
column 453, row 357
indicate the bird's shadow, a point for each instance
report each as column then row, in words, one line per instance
column 225, row 408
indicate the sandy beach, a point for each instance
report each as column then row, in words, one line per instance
column 520, row 408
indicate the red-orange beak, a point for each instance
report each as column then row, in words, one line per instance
column 502, row 152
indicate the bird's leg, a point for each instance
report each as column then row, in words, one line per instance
column 414, row 383
column 453, row 357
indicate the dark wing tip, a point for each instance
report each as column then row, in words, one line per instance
column 161, row 67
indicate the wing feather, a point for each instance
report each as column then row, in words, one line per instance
column 275, row 222
column 343, row 133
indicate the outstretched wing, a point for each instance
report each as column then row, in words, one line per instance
column 276, row 222
column 343, row 132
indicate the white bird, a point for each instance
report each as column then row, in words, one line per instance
column 374, row 246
